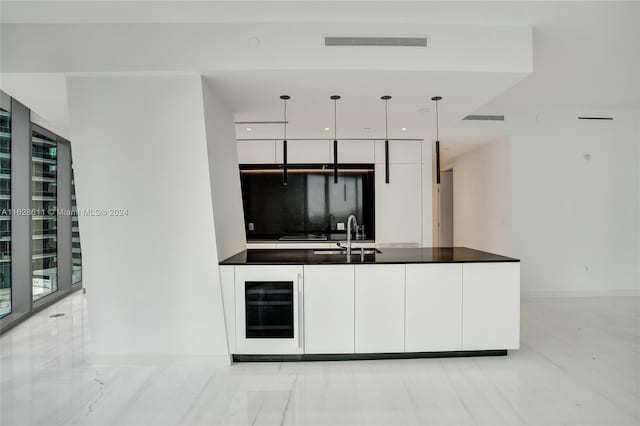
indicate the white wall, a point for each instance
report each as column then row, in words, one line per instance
column 575, row 201
column 139, row 143
column 224, row 175
column 482, row 199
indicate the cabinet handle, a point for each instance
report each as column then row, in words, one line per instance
column 300, row 314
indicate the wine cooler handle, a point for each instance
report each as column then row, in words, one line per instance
column 300, row 313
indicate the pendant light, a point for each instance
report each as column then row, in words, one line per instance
column 386, row 138
column 285, row 174
column 436, row 99
column 335, row 99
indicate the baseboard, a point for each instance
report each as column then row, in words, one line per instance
column 581, row 293
column 365, row 356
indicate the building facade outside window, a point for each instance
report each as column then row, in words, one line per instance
column 76, row 253
column 44, row 226
column 5, row 205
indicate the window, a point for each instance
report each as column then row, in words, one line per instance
column 76, row 253
column 5, row 205
column 44, row 225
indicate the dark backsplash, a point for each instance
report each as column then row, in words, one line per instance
column 310, row 205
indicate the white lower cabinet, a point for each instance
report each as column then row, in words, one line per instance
column 491, row 306
column 268, row 314
column 433, row 307
column 328, row 309
column 341, row 309
column 379, row 308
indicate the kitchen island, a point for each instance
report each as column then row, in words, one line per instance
column 286, row 304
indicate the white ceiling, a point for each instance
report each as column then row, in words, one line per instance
column 254, row 95
column 586, row 58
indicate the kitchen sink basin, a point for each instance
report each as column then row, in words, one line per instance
column 343, row 252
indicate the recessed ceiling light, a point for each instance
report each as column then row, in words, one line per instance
column 326, row 129
column 249, row 129
column 404, row 129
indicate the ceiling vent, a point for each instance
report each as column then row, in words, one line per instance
column 261, row 122
column 376, row 41
column 484, row 117
column 595, row 118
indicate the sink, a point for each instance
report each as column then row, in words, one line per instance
column 343, row 252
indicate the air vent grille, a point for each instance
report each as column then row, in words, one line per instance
column 484, row 117
column 595, row 118
column 376, row 41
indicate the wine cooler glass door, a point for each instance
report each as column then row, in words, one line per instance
column 269, row 310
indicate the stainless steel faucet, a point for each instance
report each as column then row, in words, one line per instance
column 351, row 218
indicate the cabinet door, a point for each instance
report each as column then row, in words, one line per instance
column 268, row 314
column 400, row 152
column 433, row 307
column 491, row 306
column 379, row 308
column 399, row 205
column 227, row 283
column 256, row 152
column 356, row 151
column 306, row 151
column 328, row 309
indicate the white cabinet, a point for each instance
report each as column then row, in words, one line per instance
column 399, row 205
column 256, row 152
column 306, row 151
column 433, row 307
column 491, row 306
column 227, row 284
column 256, row 303
column 379, row 312
column 328, row 309
column 355, row 151
column 400, row 152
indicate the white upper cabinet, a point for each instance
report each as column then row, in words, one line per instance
column 306, row 151
column 379, row 314
column 491, row 306
column 256, row 152
column 400, row 152
column 399, row 205
column 355, row 151
column 433, row 307
column 328, row 309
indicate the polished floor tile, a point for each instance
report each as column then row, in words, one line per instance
column 579, row 365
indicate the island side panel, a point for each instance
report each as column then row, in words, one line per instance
column 491, row 306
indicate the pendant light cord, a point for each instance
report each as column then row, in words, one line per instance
column 285, row 119
column 386, row 120
column 335, row 119
column 437, row 122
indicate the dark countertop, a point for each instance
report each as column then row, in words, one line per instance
column 388, row 255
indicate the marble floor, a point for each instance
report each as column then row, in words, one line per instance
column 579, row 365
